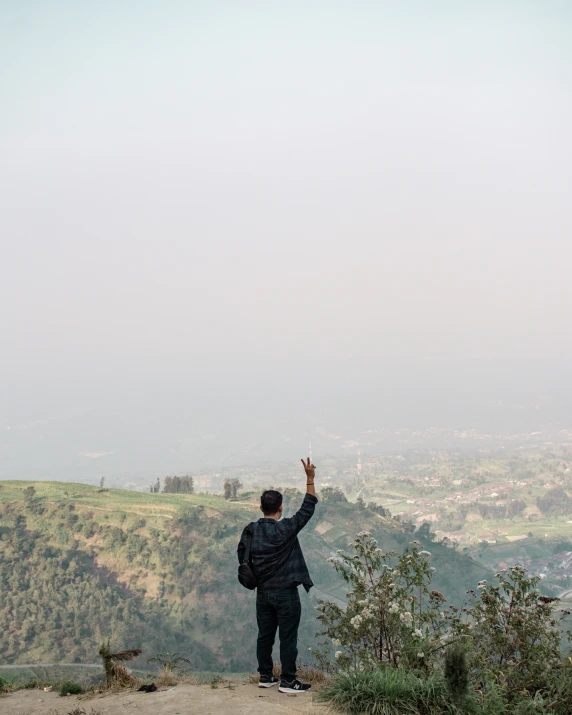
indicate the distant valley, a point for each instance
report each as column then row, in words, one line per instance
column 158, row 571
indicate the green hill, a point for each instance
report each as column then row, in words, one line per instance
column 158, row 571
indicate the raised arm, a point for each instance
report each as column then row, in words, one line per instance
column 306, row 511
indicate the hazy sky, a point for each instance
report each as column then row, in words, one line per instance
column 296, row 188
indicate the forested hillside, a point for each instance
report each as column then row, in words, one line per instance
column 158, row 571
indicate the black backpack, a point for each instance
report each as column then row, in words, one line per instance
column 246, row 575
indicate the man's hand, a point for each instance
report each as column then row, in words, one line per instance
column 310, row 472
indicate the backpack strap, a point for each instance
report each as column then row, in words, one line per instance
column 246, row 558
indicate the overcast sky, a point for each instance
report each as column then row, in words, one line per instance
column 308, row 189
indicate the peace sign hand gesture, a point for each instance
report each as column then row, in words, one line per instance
column 310, row 470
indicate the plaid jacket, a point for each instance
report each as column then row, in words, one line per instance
column 276, row 556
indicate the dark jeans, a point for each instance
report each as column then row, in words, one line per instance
column 278, row 609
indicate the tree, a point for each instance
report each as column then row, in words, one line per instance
column 333, row 495
column 102, row 482
column 516, row 507
column 424, row 531
column 555, row 501
column 179, row 485
column 235, row 486
column 227, row 489
column 29, row 493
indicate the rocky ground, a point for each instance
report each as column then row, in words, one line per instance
column 229, row 699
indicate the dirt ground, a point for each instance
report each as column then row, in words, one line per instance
column 239, row 699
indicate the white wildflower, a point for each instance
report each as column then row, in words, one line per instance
column 394, row 608
column 338, row 653
column 336, row 642
column 421, row 655
column 363, row 534
column 425, row 553
column 482, row 586
column 355, row 621
column 432, row 569
column 406, row 617
column 339, row 552
column 418, row 633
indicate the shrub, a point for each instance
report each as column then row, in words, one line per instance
column 169, row 661
column 515, row 633
column 392, row 616
column 504, row 647
column 68, row 686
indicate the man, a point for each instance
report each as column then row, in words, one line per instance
column 279, row 565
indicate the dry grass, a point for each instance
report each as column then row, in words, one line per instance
column 167, row 678
column 124, row 679
column 315, row 677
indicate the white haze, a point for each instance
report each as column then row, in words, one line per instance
column 257, row 219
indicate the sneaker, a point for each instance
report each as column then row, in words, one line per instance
column 267, row 681
column 293, row 687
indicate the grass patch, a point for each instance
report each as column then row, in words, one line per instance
column 69, row 687
column 388, row 691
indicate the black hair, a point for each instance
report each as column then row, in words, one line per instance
column 270, row 501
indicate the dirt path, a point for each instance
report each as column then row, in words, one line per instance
column 182, row 700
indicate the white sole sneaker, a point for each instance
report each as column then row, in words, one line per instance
column 285, row 689
column 267, row 685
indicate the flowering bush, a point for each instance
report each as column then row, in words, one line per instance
column 516, row 634
column 503, row 647
column 392, row 615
